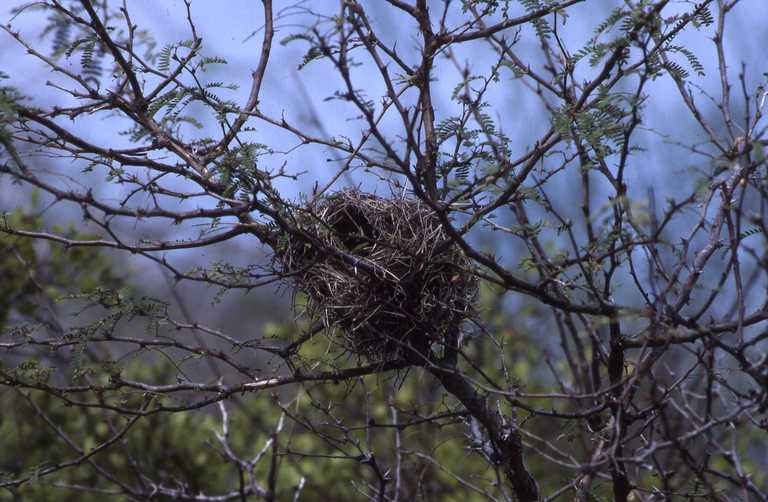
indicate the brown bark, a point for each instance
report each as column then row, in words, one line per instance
column 505, row 439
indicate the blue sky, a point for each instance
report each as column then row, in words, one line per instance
column 231, row 29
column 227, row 29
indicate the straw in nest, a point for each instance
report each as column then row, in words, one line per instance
column 381, row 273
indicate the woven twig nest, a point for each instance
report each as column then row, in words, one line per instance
column 380, row 273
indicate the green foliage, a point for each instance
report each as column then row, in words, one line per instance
column 91, row 54
column 488, row 6
column 31, row 270
column 542, row 27
column 471, row 145
column 238, row 170
column 164, row 58
column 77, row 381
column 692, row 59
column 601, row 127
column 173, row 108
column 321, row 432
column 166, row 445
column 314, row 52
column 183, row 446
column 17, row 287
column 9, row 99
column 633, row 25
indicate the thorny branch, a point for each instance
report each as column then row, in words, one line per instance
column 646, row 350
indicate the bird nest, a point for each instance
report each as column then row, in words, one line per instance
column 380, row 273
